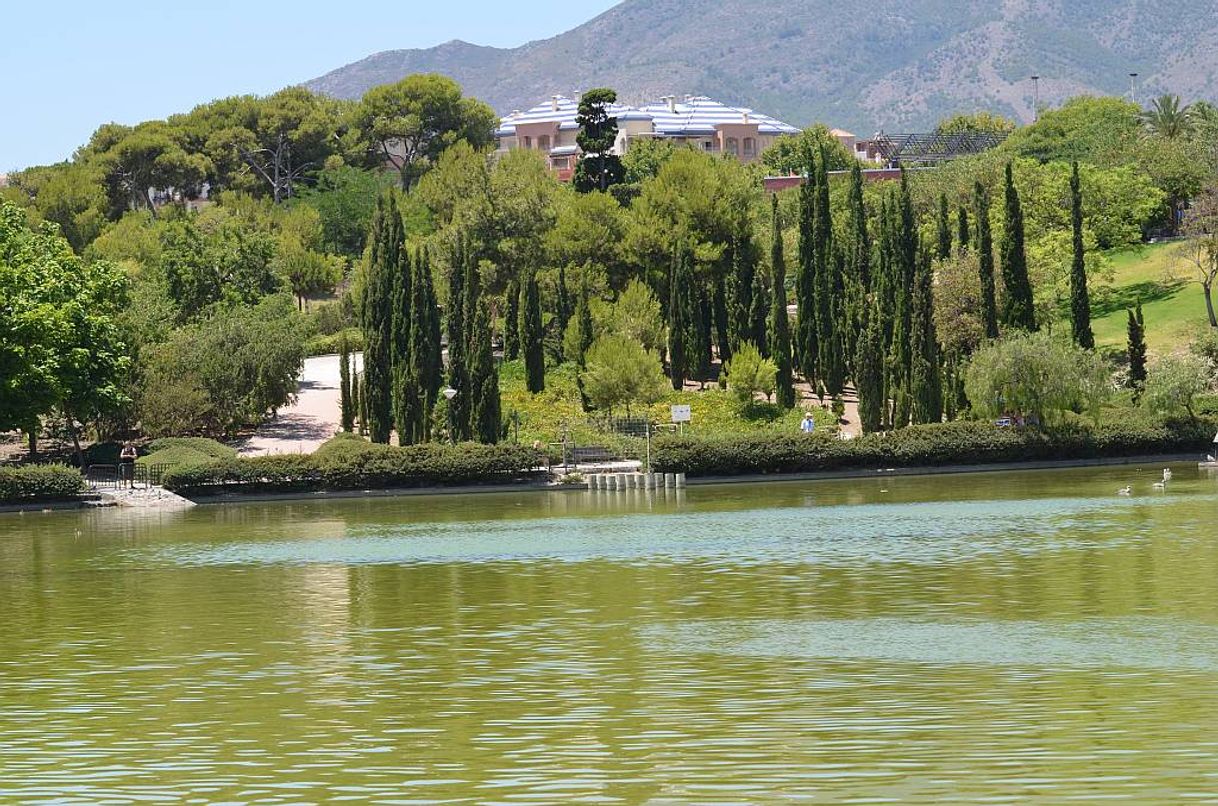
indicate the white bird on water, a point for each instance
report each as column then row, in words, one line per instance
column 1126, row 490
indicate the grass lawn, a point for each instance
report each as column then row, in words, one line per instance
column 1172, row 308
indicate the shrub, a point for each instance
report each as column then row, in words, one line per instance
column 331, row 344
column 924, row 445
column 37, row 483
column 182, row 451
column 348, row 463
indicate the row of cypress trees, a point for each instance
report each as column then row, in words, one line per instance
column 403, row 362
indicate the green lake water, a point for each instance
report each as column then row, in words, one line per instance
column 1002, row 637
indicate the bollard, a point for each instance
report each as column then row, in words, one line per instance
column 621, row 481
column 670, row 479
column 680, row 480
column 591, row 482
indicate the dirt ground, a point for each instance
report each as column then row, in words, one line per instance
column 303, row 426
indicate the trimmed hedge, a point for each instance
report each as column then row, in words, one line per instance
column 38, row 483
column 349, row 463
column 331, row 343
column 962, row 443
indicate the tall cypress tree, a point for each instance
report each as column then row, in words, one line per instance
column 904, row 266
column 699, row 329
column 511, row 322
column 531, row 336
column 1017, row 309
column 944, row 236
column 740, row 292
column 985, row 261
column 414, row 387
column 346, row 403
column 582, row 321
column 676, row 322
column 758, row 313
column 458, row 370
column 858, row 269
column 473, row 291
column 361, row 403
column 723, row 341
column 1137, row 351
column 483, row 380
column 806, row 349
column 926, row 391
column 377, row 317
column 962, row 233
column 780, row 324
column 869, row 369
column 434, row 360
column 829, row 358
column 563, row 309
column 1080, row 300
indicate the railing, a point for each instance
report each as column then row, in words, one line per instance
column 114, row 477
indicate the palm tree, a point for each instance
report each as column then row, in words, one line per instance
column 1167, row 118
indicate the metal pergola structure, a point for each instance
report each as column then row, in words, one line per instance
column 932, row 148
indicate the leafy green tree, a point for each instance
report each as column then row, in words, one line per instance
column 985, row 261
column 228, row 260
column 588, row 233
column 646, row 157
column 1166, row 117
column 1136, row 351
column 531, row 336
column 958, row 310
column 307, row 272
column 71, row 194
column 975, row 123
column 748, row 373
column 225, row 373
column 345, row 198
column 1080, row 300
column 1197, row 257
column 484, row 381
column 1036, row 376
column 580, row 333
column 637, row 316
column 1174, row 383
column 1099, row 131
column 411, row 122
column 149, row 157
column 597, row 169
column 793, row 153
column 780, row 323
column 619, row 371
column 1018, row 310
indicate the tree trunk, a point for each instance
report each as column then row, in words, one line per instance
column 33, row 442
column 1208, row 288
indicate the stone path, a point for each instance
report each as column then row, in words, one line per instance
column 303, row 426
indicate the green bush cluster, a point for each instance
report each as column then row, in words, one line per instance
column 924, row 445
column 183, row 451
column 349, row 463
column 37, row 483
column 330, row 343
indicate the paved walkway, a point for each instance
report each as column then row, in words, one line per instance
column 311, row 420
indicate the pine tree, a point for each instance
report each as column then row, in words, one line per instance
column 1137, row 351
column 869, row 370
column 377, row 316
column 458, row 371
column 985, row 261
column 346, row 404
column 1080, row 300
column 759, row 311
column 962, row 233
column 926, row 391
column 1017, row 309
column 780, row 325
column 676, row 322
column 806, row 349
column 532, row 335
column 944, row 244
column 511, row 322
column 483, row 381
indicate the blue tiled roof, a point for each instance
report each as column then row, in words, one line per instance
column 693, row 117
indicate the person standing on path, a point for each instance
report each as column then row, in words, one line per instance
column 126, row 465
column 808, row 425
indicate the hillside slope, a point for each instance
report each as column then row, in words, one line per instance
column 892, row 64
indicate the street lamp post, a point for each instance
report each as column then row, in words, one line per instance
column 1035, row 98
column 449, row 393
column 1133, row 77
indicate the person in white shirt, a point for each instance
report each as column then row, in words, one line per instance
column 808, row 425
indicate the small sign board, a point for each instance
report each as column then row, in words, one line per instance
column 680, row 414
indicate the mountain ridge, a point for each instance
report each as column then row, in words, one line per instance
column 900, row 64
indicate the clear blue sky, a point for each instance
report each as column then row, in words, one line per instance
column 66, row 67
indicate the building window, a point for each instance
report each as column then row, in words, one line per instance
column 528, row 142
column 750, row 147
column 733, row 146
column 560, row 163
column 543, row 142
column 708, row 145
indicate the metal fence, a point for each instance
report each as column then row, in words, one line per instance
column 114, row 477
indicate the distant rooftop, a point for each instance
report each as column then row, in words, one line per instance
column 694, row 115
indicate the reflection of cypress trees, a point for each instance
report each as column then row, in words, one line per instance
column 1017, row 309
column 780, row 334
column 985, row 261
column 532, row 336
column 1080, row 300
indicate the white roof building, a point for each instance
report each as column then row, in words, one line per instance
column 696, row 120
